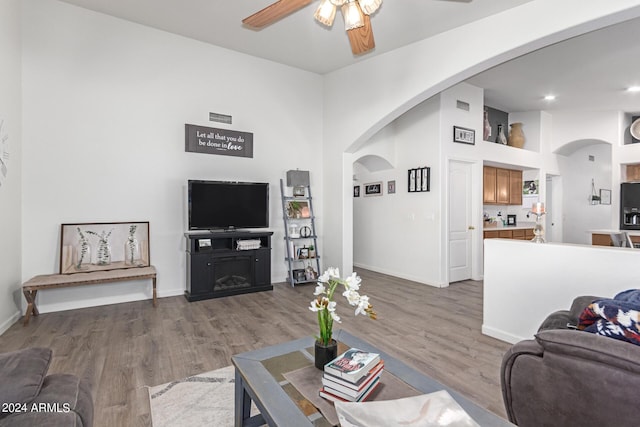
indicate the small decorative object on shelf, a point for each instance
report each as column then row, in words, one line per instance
column 501, row 139
column 326, row 308
column 486, row 129
column 298, row 191
column 83, row 252
column 103, row 254
column 516, row 136
column 538, row 210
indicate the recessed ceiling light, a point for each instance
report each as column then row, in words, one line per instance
column 549, row 97
column 633, row 89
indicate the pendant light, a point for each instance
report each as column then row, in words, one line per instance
column 353, row 16
column 369, row 6
column 326, row 12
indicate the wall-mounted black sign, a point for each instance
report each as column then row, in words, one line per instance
column 202, row 139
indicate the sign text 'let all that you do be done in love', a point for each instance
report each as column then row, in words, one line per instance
column 202, row 139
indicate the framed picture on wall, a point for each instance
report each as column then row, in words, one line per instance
column 425, row 182
column 530, row 187
column 464, row 135
column 419, row 180
column 356, row 191
column 391, row 187
column 412, row 181
column 373, row 189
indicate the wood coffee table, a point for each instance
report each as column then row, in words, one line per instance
column 259, row 379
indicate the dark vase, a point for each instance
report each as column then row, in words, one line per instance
column 325, row 353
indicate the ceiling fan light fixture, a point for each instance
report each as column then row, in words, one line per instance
column 353, row 16
column 369, row 6
column 326, row 12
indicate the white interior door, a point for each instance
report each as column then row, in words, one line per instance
column 459, row 221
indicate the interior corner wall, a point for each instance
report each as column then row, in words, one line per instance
column 397, row 233
column 105, row 104
column 10, row 186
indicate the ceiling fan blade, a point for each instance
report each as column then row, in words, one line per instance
column 361, row 39
column 274, row 12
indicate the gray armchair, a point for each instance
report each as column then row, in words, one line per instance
column 30, row 397
column 566, row 377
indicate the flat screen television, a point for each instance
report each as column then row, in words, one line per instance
column 228, row 205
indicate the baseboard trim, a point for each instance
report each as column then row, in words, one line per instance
column 501, row 335
column 400, row 275
column 171, row 293
column 4, row 326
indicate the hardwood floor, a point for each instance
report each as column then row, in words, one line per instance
column 122, row 348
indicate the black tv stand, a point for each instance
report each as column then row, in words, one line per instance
column 217, row 266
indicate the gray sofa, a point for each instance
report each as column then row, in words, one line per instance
column 565, row 377
column 30, row 397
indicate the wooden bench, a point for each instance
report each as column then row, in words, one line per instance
column 52, row 281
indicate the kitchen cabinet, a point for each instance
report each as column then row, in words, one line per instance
column 489, row 180
column 633, row 172
column 518, row 234
column 598, row 239
column 601, row 240
column 515, row 187
column 502, row 186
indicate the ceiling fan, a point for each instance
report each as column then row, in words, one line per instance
column 356, row 16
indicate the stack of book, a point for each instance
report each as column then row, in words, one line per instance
column 352, row 376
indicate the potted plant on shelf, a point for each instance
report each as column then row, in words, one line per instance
column 326, row 348
column 293, row 209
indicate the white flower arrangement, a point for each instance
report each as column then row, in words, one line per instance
column 326, row 307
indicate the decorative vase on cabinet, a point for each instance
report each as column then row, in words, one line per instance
column 501, row 139
column 516, row 136
column 486, row 131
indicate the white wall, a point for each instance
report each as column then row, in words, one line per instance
column 519, row 294
column 105, row 104
column 399, row 233
column 578, row 171
column 10, row 208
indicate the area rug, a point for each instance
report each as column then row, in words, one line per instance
column 204, row 399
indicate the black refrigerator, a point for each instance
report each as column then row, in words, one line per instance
column 630, row 206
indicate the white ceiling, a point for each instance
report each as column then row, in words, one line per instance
column 587, row 72
column 298, row 40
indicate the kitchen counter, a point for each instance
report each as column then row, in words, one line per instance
column 630, row 232
column 603, row 237
column 521, row 226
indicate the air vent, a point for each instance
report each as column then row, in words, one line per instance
column 462, row 105
column 222, row 118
